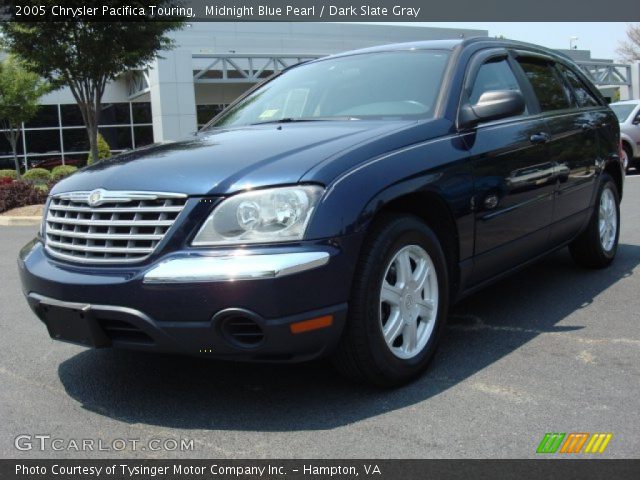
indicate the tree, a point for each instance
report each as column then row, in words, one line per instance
column 84, row 55
column 20, row 92
column 629, row 49
column 104, row 151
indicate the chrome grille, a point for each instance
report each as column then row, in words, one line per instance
column 109, row 227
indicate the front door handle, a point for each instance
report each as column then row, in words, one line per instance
column 539, row 138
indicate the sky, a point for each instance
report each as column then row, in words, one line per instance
column 601, row 38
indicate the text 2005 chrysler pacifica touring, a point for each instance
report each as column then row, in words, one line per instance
column 337, row 209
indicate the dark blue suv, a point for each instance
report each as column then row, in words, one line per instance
column 337, row 209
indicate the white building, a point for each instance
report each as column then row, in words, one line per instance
column 211, row 65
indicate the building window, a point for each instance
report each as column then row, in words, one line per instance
column 5, row 146
column 118, row 138
column 115, row 114
column 143, row 136
column 71, row 116
column 75, row 140
column 207, row 112
column 47, row 117
column 43, row 141
column 57, row 132
column 141, row 112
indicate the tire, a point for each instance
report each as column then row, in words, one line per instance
column 590, row 249
column 363, row 354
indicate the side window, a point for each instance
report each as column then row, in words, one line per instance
column 546, row 84
column 584, row 97
column 496, row 74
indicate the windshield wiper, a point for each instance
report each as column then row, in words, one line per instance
column 283, row 120
column 307, row 119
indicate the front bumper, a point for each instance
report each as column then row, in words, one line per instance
column 288, row 303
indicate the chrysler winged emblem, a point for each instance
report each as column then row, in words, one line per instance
column 95, row 197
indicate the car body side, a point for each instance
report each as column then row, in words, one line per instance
column 432, row 176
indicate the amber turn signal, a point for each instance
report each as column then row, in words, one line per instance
column 313, row 324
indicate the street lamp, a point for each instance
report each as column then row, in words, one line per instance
column 572, row 43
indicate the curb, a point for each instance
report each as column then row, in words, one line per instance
column 9, row 221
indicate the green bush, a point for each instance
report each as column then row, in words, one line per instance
column 61, row 171
column 37, row 175
column 104, row 151
column 8, row 173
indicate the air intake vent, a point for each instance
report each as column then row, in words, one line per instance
column 124, row 332
column 243, row 331
column 109, row 227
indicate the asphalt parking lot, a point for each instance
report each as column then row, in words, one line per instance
column 554, row 348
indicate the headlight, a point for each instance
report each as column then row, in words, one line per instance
column 262, row 216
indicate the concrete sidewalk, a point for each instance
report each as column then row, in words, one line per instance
column 15, row 221
column 22, row 216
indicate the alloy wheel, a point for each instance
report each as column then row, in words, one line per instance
column 607, row 220
column 408, row 301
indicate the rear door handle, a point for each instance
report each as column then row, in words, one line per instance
column 588, row 126
column 538, row 138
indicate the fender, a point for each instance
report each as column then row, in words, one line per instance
column 613, row 165
column 435, row 166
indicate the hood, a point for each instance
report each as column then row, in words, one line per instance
column 218, row 162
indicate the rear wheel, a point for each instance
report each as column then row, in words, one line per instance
column 596, row 247
column 398, row 304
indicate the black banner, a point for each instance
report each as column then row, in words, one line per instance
column 332, row 11
column 547, row 469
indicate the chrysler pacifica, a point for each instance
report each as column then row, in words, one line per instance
column 339, row 209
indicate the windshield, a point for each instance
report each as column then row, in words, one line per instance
column 402, row 84
column 623, row 110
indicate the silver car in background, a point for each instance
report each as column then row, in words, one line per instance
column 628, row 113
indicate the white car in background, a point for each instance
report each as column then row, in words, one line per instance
column 628, row 113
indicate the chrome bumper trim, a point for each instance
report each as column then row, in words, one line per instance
column 234, row 267
column 86, row 307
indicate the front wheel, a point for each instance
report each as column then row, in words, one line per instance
column 596, row 247
column 398, row 304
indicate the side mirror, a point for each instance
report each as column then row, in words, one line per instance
column 492, row 105
column 636, row 121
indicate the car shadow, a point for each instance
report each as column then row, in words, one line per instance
column 193, row 393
